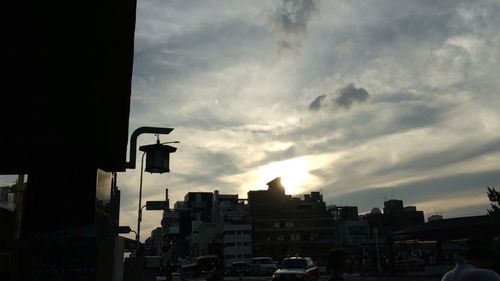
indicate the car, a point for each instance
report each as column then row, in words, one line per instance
column 201, row 267
column 239, row 268
column 296, row 269
column 263, row 266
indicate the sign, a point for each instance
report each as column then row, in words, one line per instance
column 156, row 205
column 124, row 229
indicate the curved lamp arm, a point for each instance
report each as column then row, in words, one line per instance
column 133, row 141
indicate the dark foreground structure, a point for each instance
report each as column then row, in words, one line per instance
column 432, row 248
column 64, row 124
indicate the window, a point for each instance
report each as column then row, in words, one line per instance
column 289, row 224
column 293, row 263
column 277, row 224
column 295, row 237
column 229, row 244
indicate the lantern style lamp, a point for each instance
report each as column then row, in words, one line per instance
column 157, row 157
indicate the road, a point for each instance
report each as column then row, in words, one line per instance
column 324, row 278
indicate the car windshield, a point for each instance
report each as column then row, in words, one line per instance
column 293, row 263
column 266, row 261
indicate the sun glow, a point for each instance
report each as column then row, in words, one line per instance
column 294, row 174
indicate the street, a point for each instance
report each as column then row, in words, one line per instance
column 323, row 278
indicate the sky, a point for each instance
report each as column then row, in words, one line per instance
column 361, row 100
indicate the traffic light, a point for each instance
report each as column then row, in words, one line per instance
column 165, row 223
column 165, row 240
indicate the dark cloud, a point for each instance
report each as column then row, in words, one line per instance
column 455, row 186
column 360, row 129
column 315, row 105
column 212, row 45
column 448, row 156
column 291, row 19
column 293, row 15
column 349, row 95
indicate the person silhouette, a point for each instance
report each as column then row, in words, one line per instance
column 479, row 259
column 337, row 262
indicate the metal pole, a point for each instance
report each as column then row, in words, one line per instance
column 19, row 194
column 376, row 246
column 139, row 215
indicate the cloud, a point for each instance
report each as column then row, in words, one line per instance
column 346, row 97
column 349, row 95
column 291, row 20
column 427, row 68
column 293, row 15
column 315, row 105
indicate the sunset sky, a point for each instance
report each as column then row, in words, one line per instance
column 361, row 100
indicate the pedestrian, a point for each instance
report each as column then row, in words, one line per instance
column 479, row 258
column 214, row 275
column 337, row 262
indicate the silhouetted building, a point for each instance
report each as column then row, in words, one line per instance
column 395, row 217
column 200, row 204
column 393, row 205
column 67, row 95
column 349, row 229
column 283, row 225
column 232, row 214
column 343, row 213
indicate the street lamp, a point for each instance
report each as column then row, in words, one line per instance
column 157, row 161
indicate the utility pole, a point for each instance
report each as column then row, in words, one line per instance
column 18, row 197
column 375, row 230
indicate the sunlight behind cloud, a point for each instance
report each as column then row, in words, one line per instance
column 294, row 173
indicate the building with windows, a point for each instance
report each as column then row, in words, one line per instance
column 286, row 226
column 237, row 243
column 232, row 214
column 200, row 204
column 349, row 229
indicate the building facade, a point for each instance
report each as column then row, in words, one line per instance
column 286, row 226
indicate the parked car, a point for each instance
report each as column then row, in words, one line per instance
column 263, row 266
column 201, row 267
column 296, row 269
column 239, row 268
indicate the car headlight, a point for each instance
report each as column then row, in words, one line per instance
column 276, row 275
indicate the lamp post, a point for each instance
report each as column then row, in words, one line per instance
column 375, row 231
column 157, row 161
column 139, row 215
